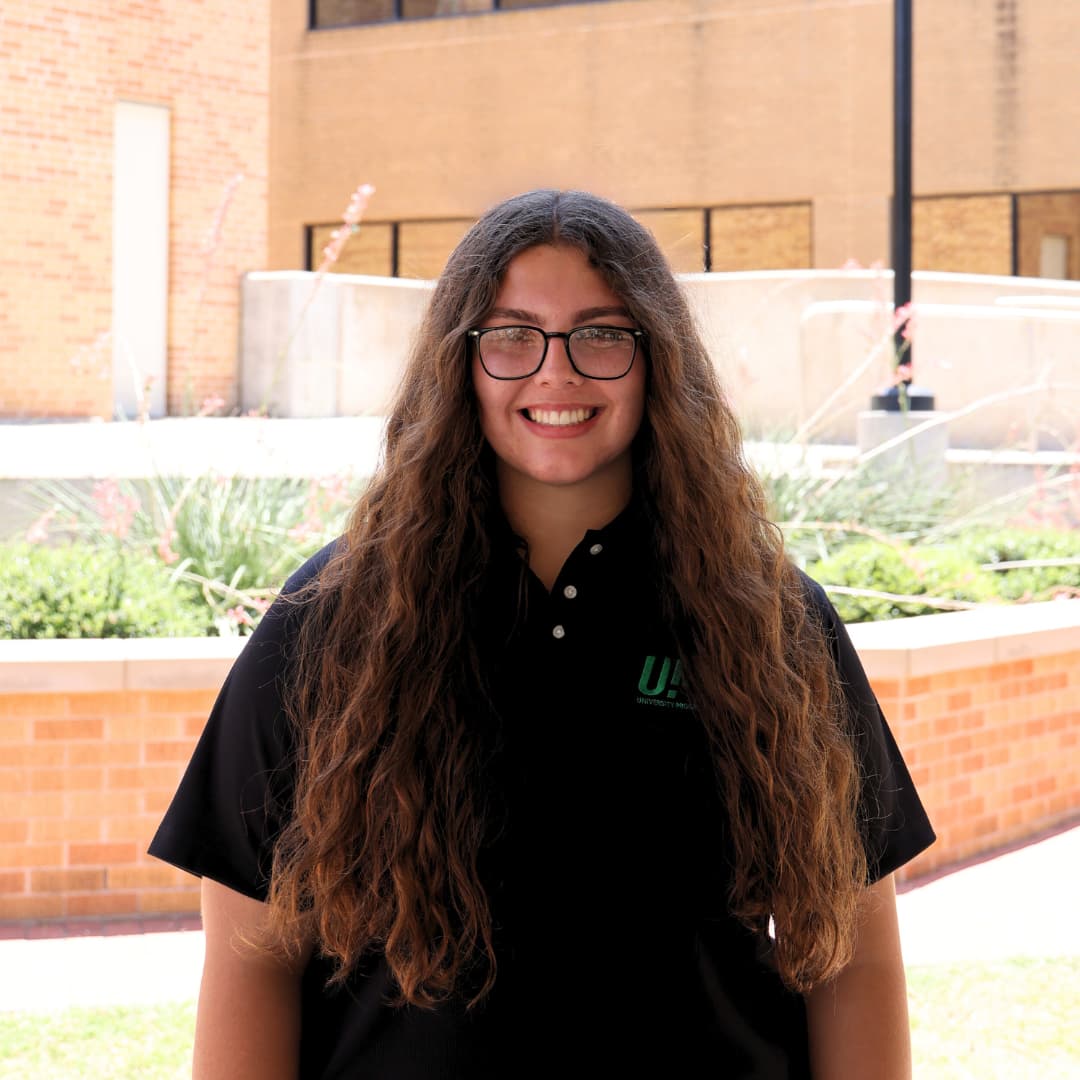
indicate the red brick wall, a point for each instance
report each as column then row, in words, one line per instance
column 62, row 70
column 84, row 780
column 994, row 751
column 85, row 777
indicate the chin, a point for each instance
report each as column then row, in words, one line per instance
column 568, row 473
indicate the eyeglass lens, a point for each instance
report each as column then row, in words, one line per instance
column 598, row 352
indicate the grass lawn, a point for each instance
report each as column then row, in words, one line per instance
column 1012, row 1019
column 1009, row 1019
column 148, row 1042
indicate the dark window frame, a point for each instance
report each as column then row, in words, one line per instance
column 396, row 15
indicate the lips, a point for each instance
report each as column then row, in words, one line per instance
column 559, row 417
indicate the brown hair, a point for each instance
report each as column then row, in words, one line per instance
column 381, row 851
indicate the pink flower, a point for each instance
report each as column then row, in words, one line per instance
column 335, row 490
column 117, row 511
column 353, row 213
column 213, row 233
column 902, row 374
column 357, row 205
column 211, row 404
column 304, row 531
column 164, row 545
column 239, row 616
column 904, row 321
column 38, row 532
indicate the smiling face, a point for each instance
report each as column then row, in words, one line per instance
column 557, row 427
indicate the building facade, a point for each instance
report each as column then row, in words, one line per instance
column 748, row 134
column 133, row 195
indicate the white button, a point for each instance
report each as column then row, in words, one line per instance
column 558, row 632
column 596, row 549
column 570, row 592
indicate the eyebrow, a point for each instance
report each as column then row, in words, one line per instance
column 579, row 318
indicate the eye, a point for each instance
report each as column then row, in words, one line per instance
column 603, row 337
column 510, row 337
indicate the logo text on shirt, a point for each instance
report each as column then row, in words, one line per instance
column 662, row 686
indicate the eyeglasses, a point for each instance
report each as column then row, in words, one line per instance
column 596, row 352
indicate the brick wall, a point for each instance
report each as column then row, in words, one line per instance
column 84, row 781
column 757, row 103
column 62, row 71
column 92, row 749
column 994, row 751
column 971, row 234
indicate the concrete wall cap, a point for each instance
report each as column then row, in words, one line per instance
column 895, row 649
column 992, row 634
column 115, row 664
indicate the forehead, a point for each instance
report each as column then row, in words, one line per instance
column 554, row 281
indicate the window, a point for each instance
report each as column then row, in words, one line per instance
column 681, row 236
column 1054, row 257
column 763, row 237
column 1048, row 235
column 334, row 14
column 369, row 251
column 963, row 234
column 743, row 238
column 424, row 246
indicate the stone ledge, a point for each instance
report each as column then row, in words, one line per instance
column 115, row 664
column 901, row 648
column 995, row 634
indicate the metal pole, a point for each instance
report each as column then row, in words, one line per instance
column 901, row 224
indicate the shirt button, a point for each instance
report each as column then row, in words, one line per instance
column 570, row 592
column 558, row 632
column 596, row 549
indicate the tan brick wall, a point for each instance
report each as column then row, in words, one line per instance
column 62, row 70
column 968, row 234
column 761, row 237
column 85, row 778
column 671, row 103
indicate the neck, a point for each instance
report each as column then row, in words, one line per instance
column 553, row 520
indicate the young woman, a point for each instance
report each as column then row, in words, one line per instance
column 553, row 762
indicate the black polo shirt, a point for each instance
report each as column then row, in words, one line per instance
column 609, row 865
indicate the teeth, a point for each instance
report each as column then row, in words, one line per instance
column 559, row 418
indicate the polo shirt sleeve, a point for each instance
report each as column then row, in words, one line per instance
column 236, row 793
column 895, row 824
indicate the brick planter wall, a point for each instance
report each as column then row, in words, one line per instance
column 986, row 707
column 95, row 735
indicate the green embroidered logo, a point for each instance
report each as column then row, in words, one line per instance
column 662, row 687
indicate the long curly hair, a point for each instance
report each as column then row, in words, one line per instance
column 386, row 692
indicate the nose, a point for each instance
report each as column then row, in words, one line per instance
column 556, row 369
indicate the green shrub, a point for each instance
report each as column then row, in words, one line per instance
column 986, row 546
column 822, row 510
column 247, row 532
column 81, row 591
column 236, row 539
column 942, row 573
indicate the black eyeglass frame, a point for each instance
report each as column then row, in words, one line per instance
column 476, row 335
